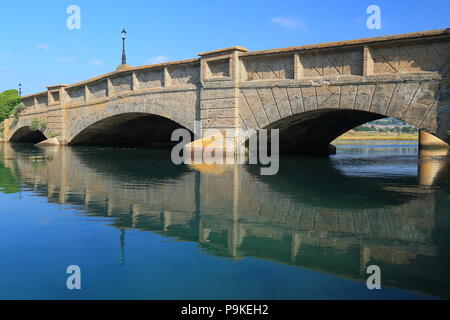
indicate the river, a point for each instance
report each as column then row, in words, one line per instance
column 140, row 227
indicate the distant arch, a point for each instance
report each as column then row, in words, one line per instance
column 26, row 134
column 312, row 132
column 136, row 129
column 122, row 109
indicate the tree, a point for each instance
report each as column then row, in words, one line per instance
column 8, row 100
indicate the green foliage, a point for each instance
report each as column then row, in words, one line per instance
column 15, row 113
column 8, row 100
column 9, row 183
column 42, row 126
column 51, row 134
column 18, row 109
column 403, row 129
column 34, row 125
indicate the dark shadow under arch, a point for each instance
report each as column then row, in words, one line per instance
column 311, row 132
column 129, row 130
column 26, row 135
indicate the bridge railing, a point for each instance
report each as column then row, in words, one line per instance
column 388, row 56
column 180, row 74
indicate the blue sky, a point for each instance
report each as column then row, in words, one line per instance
column 38, row 50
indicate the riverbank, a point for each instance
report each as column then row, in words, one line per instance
column 377, row 136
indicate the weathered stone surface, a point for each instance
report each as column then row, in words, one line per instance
column 332, row 64
column 282, row 101
column 348, row 96
column 364, row 97
column 76, row 95
column 381, row 98
column 219, row 68
column 49, row 142
column 98, row 90
column 184, row 75
column 295, row 99
column 271, row 67
column 403, row 95
column 121, row 83
column 309, row 98
column 328, row 96
column 150, row 79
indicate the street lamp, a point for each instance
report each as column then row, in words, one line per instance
column 20, row 89
column 124, row 56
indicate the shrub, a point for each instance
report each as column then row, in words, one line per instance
column 34, row 125
column 42, row 126
column 8, row 100
column 18, row 109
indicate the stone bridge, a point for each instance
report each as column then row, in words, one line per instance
column 311, row 93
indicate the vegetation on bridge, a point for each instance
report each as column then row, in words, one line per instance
column 11, row 104
column 8, row 101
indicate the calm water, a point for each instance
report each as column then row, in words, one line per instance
column 142, row 228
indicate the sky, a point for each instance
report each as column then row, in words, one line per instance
column 37, row 48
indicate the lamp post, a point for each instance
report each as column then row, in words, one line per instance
column 20, row 89
column 124, row 56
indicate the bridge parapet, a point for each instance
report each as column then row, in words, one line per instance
column 407, row 53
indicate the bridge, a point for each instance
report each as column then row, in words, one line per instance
column 313, row 94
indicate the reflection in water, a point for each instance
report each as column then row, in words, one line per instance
column 334, row 216
column 434, row 166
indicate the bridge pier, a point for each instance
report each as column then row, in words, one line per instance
column 427, row 141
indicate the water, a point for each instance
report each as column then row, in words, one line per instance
column 142, row 228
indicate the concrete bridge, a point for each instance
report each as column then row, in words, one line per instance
column 311, row 93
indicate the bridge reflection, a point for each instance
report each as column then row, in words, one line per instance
column 232, row 212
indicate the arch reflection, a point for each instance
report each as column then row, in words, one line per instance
column 233, row 212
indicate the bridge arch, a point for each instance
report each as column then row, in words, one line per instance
column 128, row 122
column 311, row 117
column 311, row 132
column 26, row 134
column 131, row 129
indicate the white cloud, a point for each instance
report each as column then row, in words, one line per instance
column 158, row 59
column 290, row 23
column 69, row 60
column 96, row 63
column 44, row 47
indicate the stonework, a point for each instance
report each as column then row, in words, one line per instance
column 271, row 67
column 150, row 79
column 76, row 95
column 98, row 90
column 121, row 83
column 311, row 93
column 332, row 64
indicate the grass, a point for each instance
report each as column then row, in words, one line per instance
column 377, row 136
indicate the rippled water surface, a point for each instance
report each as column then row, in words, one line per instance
column 140, row 227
